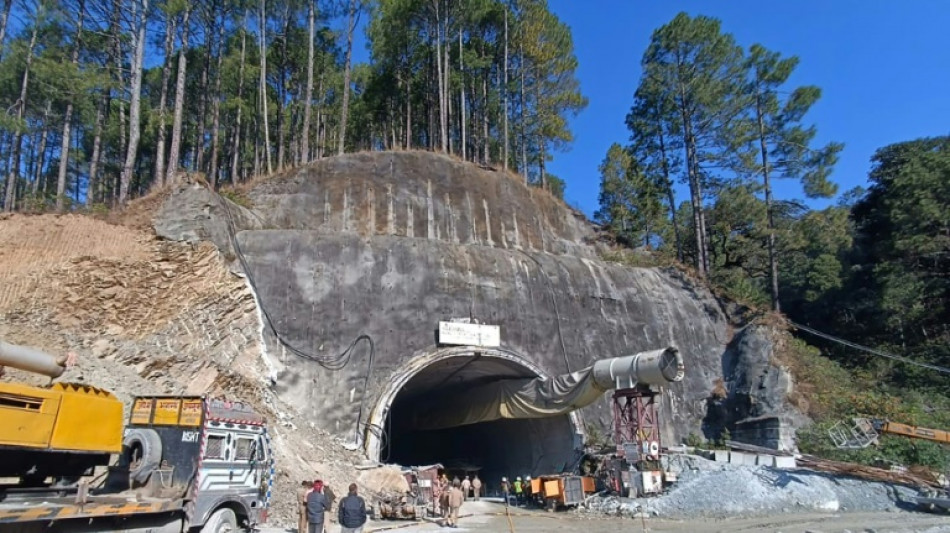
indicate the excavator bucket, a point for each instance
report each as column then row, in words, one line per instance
column 860, row 433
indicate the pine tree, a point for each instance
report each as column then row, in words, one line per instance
column 782, row 141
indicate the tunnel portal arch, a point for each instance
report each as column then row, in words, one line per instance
column 566, row 432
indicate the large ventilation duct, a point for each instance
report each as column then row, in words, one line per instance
column 32, row 360
column 546, row 397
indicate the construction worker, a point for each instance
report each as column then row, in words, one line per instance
column 477, row 487
column 352, row 512
column 444, row 498
column 331, row 497
column 466, row 487
column 316, row 508
column 518, row 487
column 302, row 491
column 454, row 501
column 505, row 489
column 528, row 491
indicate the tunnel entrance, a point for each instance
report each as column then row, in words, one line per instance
column 492, row 449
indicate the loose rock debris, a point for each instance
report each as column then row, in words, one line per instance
column 707, row 489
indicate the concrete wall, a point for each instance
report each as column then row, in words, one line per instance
column 389, row 244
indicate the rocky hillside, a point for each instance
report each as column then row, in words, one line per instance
column 148, row 316
column 384, row 244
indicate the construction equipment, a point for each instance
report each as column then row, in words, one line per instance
column 547, row 397
column 562, row 490
column 863, row 432
column 182, row 463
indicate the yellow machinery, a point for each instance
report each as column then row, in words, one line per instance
column 863, row 432
column 62, row 431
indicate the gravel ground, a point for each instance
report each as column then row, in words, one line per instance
column 489, row 518
column 707, row 489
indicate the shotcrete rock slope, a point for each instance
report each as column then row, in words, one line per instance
column 389, row 244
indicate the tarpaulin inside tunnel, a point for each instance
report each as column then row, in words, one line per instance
column 512, row 399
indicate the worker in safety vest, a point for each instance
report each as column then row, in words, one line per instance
column 518, row 487
column 477, row 487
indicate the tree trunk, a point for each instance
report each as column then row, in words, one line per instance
column 486, row 142
column 671, row 198
column 504, row 92
column 308, row 98
column 68, row 116
column 134, row 106
column 170, row 29
column 236, row 145
column 174, row 151
column 216, row 111
column 10, row 199
column 282, row 92
column 4, row 17
column 350, row 27
column 97, row 149
column 199, row 144
column 773, row 260
column 462, row 98
column 408, row 110
column 263, row 90
column 695, row 189
column 41, row 152
column 524, row 136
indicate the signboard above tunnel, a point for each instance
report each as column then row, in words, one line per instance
column 462, row 334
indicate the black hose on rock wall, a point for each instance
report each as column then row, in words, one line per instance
column 333, row 363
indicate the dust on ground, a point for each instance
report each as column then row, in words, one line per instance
column 484, row 517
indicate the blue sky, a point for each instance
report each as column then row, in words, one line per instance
column 883, row 66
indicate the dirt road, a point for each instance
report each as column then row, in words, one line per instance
column 490, row 518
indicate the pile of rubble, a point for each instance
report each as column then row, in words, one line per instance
column 709, row 489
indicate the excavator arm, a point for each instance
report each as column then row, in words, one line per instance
column 865, row 431
column 914, row 432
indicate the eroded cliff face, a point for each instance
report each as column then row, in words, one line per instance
column 390, row 244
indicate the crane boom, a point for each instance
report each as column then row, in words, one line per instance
column 915, row 432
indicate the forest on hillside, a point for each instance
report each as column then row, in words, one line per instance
column 867, row 280
column 105, row 99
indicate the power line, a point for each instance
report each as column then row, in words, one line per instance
column 871, row 351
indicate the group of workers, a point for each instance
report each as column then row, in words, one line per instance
column 519, row 488
column 316, row 499
column 449, row 496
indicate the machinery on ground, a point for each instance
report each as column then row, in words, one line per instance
column 863, row 432
column 562, row 490
column 182, row 463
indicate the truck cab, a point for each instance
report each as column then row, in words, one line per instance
column 213, row 454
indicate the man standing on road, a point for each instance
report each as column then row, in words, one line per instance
column 455, row 503
column 477, row 487
column 352, row 512
column 302, row 492
column 331, row 497
column 466, row 486
column 317, row 505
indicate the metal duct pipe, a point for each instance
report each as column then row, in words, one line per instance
column 656, row 367
column 32, row 360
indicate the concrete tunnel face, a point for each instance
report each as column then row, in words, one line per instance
column 492, row 449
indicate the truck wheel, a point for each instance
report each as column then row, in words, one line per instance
column 222, row 521
column 143, row 452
